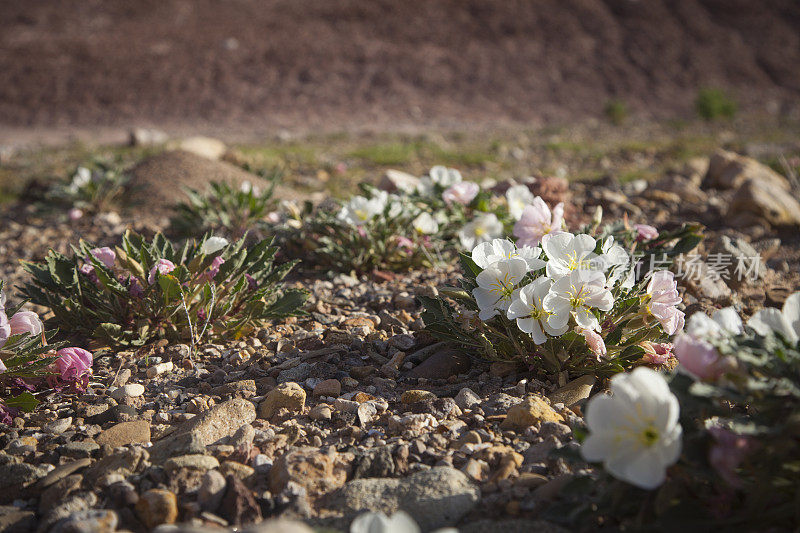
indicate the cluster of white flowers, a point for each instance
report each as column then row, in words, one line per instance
column 544, row 288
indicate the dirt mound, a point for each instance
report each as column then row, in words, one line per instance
column 307, row 65
column 159, row 182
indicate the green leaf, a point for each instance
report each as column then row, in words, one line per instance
column 287, row 304
column 25, row 402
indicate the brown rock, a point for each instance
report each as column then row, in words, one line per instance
column 287, row 395
column 532, row 410
column 442, row 365
column 124, row 433
column 238, row 505
column 159, row 181
column 328, row 387
column 156, row 507
column 317, row 470
column 575, row 392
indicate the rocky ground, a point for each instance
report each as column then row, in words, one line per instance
column 352, row 407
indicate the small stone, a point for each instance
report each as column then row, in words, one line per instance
column 79, row 449
column 469, row 437
column 241, row 472
column 88, row 521
column 436, row 498
column 317, row 470
column 290, row 396
column 320, row 412
column 575, row 392
column 238, row 504
column 156, row 507
column 467, row 399
column 63, row 471
column 58, row 491
column 502, row 369
column 211, row 491
column 476, row 470
column 297, row 374
column 193, row 462
column 160, row 368
column 328, row 387
column 345, row 406
column 124, row 433
column 57, row 426
column 532, row 410
column 413, row 396
column 442, row 365
column 131, row 390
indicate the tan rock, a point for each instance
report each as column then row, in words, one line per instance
column 761, row 201
column 317, row 470
column 729, row 170
column 532, row 410
column 156, row 507
column 575, row 392
column 413, row 396
column 124, row 433
column 287, row 395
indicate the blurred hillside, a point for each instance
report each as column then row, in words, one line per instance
column 304, row 65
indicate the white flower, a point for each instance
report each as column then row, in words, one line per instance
column 635, row 431
column 82, row 177
column 445, row 177
column 496, row 285
column 567, row 252
column 532, row 318
column 395, row 206
column 360, row 210
column 723, row 323
column 2, row 300
column 618, row 261
column 579, row 292
column 483, row 228
column 487, row 253
column 213, row 245
column 518, row 197
column 400, row 522
column 425, row 224
column 537, row 221
column 785, row 322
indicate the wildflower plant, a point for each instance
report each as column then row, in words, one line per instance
column 227, row 210
column 714, row 443
column 416, row 226
column 574, row 302
column 90, row 190
column 143, row 290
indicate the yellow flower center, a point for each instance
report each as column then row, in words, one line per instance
column 480, row 232
column 361, row 214
column 649, row 436
column 502, row 287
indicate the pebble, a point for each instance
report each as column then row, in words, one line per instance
column 289, row 396
column 156, row 507
column 160, row 368
column 532, row 410
column 57, row 426
column 131, row 390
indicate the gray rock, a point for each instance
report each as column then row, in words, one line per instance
column 740, row 256
column 183, row 444
column 13, row 520
column 499, row 403
column 573, row 393
column 88, row 521
column 467, row 399
column 194, row 462
column 79, row 449
column 217, row 423
column 63, row 471
column 297, row 374
column 211, row 491
column 436, row 498
column 19, row 474
column 442, row 365
column 70, row 505
column 59, row 425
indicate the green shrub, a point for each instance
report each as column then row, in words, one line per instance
column 147, row 290
column 91, row 189
column 712, row 104
column 616, row 111
column 225, row 210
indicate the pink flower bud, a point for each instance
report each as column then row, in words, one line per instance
column 596, row 343
column 656, row 353
column 105, row 255
column 26, row 322
column 73, row 363
column 162, row 266
column 699, row 358
column 645, row 232
column 461, row 193
column 75, row 214
column 213, row 270
column 5, row 328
